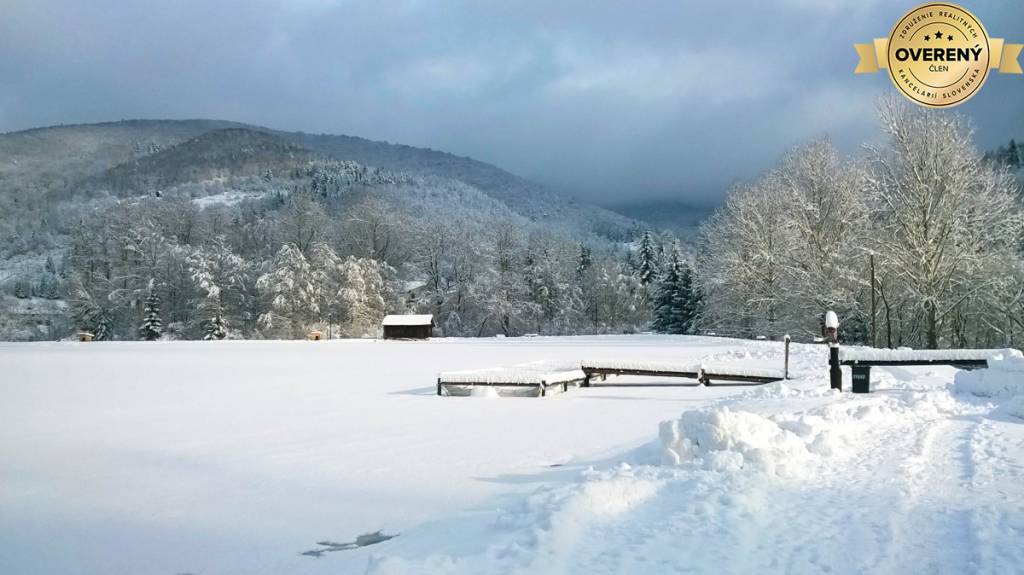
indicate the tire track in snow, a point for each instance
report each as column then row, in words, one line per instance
column 998, row 523
column 919, row 483
column 932, row 531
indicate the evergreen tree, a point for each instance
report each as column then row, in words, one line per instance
column 1013, row 158
column 668, row 301
column 583, row 261
column 689, row 300
column 676, row 302
column 152, row 327
column 647, row 268
column 214, row 328
column 89, row 315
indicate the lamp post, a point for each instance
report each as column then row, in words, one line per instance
column 832, row 337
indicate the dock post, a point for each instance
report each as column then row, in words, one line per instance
column 785, row 368
column 439, row 387
column 835, row 374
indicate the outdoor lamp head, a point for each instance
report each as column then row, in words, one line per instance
column 831, row 320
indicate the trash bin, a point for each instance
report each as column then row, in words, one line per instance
column 861, row 378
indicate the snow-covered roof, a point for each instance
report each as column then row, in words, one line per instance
column 426, row 319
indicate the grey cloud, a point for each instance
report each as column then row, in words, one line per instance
column 604, row 99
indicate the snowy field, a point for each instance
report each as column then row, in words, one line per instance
column 236, row 457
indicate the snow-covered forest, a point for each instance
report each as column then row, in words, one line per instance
column 320, row 256
column 243, row 233
column 916, row 243
column 240, row 234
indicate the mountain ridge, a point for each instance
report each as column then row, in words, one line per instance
column 60, row 158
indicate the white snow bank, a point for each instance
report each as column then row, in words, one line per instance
column 227, row 198
column 1015, row 407
column 868, row 354
column 1003, row 380
column 726, row 440
column 787, row 444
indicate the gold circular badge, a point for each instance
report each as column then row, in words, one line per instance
column 939, row 55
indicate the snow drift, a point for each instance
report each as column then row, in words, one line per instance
column 1002, row 382
column 721, row 439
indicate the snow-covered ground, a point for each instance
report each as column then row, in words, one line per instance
column 230, row 198
column 235, row 457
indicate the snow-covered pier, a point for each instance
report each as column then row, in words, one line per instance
column 525, row 380
column 537, row 380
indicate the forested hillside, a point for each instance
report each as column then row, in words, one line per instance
column 236, row 231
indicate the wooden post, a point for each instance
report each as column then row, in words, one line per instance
column 785, row 368
column 861, row 379
column 835, row 374
column 439, row 387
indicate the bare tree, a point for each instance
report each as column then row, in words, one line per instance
column 947, row 223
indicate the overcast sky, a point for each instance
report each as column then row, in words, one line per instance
column 606, row 99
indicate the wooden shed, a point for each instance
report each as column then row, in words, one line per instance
column 408, row 326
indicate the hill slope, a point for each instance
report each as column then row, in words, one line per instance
column 139, row 154
column 225, row 219
column 232, row 152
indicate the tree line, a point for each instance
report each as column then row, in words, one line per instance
column 918, row 243
column 329, row 254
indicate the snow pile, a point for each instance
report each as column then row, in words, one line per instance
column 1002, row 381
column 1003, row 378
column 789, row 444
column 724, row 440
column 599, row 498
column 1015, row 407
